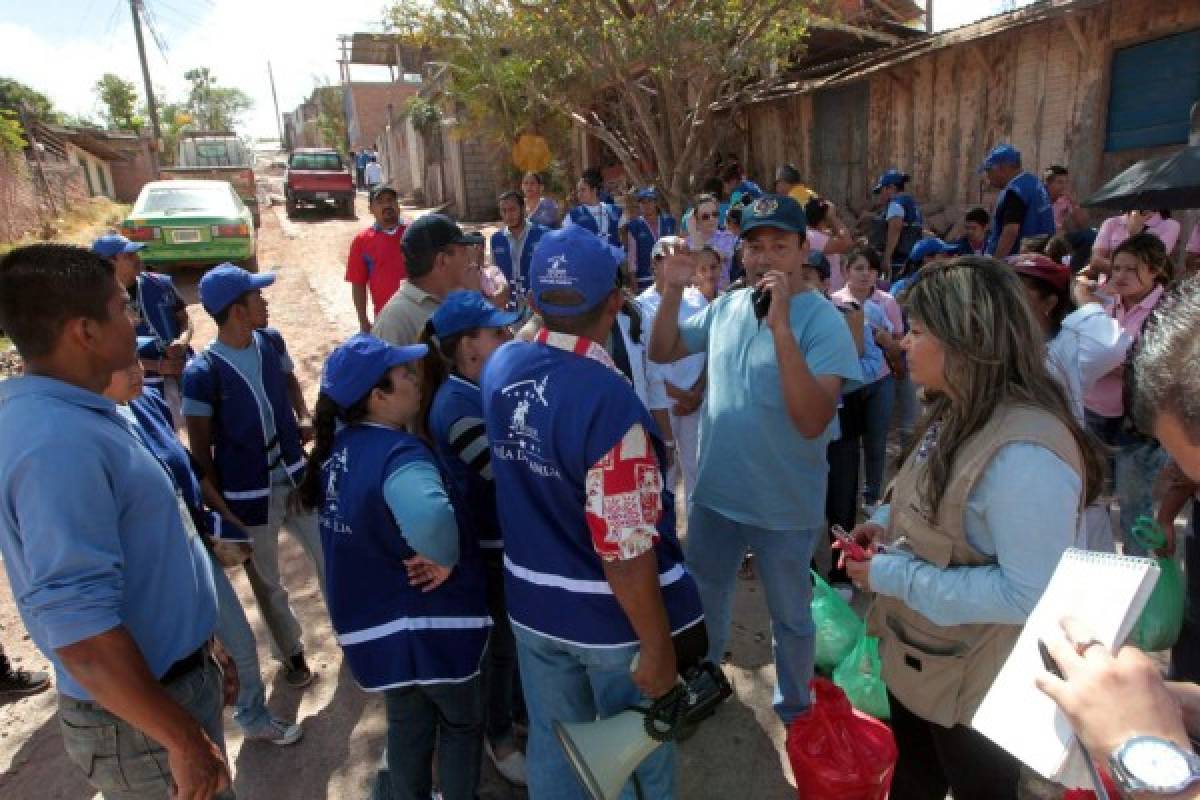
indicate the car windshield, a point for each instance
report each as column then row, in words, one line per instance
column 317, row 161
column 168, row 200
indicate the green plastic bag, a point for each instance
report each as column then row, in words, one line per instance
column 838, row 627
column 1161, row 620
column 860, row 678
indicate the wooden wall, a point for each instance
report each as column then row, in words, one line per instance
column 1042, row 87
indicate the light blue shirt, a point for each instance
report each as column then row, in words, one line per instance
column 1024, row 511
column 894, row 210
column 754, row 465
column 417, row 498
column 91, row 531
column 247, row 362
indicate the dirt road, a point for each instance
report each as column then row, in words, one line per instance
column 738, row 754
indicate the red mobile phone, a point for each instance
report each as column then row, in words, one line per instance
column 850, row 547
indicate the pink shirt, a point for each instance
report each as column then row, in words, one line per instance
column 890, row 308
column 819, row 240
column 1193, row 243
column 1062, row 207
column 1104, row 398
column 1114, row 231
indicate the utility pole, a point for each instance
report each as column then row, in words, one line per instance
column 151, row 103
column 278, row 119
column 929, row 16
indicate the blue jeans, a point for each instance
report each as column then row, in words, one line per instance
column 909, row 406
column 448, row 716
column 235, row 633
column 878, row 399
column 568, row 683
column 123, row 763
column 1136, row 463
column 715, row 546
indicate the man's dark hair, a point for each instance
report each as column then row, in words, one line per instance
column 592, row 177
column 43, row 286
column 419, row 262
column 1165, row 379
column 222, row 316
column 1053, row 171
column 979, row 216
column 732, row 172
column 712, row 186
column 512, row 194
column 815, row 210
column 788, row 173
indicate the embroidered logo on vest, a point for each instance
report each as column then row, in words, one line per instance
column 525, row 443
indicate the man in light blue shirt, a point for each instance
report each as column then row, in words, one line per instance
column 112, row 583
column 773, row 383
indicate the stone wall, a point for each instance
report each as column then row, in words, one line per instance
column 26, row 200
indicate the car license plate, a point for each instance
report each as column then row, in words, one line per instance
column 322, row 195
column 183, row 235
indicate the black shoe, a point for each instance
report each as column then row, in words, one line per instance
column 19, row 682
column 296, row 672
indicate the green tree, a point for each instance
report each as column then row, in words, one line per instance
column 331, row 119
column 213, row 107
column 646, row 77
column 12, row 135
column 120, row 100
column 15, row 95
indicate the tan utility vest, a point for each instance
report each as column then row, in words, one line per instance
column 941, row 673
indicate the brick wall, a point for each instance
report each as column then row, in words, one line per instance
column 130, row 175
column 24, row 203
column 368, row 110
column 480, row 166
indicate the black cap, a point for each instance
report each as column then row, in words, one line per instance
column 380, row 189
column 818, row 261
column 431, row 232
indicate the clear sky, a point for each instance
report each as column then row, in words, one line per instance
column 64, row 52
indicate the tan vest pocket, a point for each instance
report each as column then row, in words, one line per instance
column 923, row 670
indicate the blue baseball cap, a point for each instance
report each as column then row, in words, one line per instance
column 573, row 258
column 774, row 211
column 893, row 177
column 358, row 364
column 930, row 246
column 818, row 261
column 225, row 283
column 465, row 310
column 1001, row 154
column 647, row 193
column 113, row 244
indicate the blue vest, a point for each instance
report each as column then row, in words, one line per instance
column 157, row 298
column 502, row 253
column 391, row 633
column 550, row 416
column 157, row 433
column 640, row 231
column 239, row 438
column 458, row 400
column 1039, row 213
column 584, row 219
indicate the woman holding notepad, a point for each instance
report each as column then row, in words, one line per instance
column 988, row 497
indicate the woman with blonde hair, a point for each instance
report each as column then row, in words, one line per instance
column 989, row 495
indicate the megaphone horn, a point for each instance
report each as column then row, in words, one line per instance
column 605, row 753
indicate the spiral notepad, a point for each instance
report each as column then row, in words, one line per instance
column 1106, row 592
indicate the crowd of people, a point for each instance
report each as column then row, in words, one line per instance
column 486, row 487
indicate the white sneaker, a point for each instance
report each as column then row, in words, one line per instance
column 275, row 731
column 511, row 767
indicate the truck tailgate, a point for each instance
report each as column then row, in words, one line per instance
column 310, row 181
column 242, row 178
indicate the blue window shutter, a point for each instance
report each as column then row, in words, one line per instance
column 1153, row 88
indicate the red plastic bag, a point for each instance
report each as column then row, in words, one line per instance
column 838, row 753
column 1088, row 794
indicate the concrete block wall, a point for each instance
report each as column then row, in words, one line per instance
column 481, row 170
column 23, row 204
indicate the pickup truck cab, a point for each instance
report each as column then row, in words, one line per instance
column 216, row 156
column 318, row 176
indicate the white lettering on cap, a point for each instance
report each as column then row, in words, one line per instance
column 556, row 273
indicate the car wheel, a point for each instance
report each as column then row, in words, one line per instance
column 251, row 263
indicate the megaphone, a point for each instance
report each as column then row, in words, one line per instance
column 605, row 753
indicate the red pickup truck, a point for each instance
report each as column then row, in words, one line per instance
column 318, row 176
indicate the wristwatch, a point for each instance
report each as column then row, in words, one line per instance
column 1152, row 765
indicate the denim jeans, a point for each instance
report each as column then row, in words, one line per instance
column 446, row 717
column 863, row 418
column 500, row 664
column 263, row 569
column 568, row 683
column 1136, row 463
column 121, row 762
column 715, row 546
column 908, row 405
column 235, row 633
